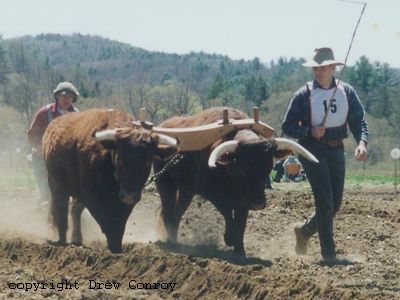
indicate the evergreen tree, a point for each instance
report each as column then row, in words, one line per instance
column 380, row 96
column 4, row 68
column 361, row 77
column 256, row 90
column 217, row 87
column 256, row 64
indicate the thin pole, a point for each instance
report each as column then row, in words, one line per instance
column 345, row 60
column 395, row 178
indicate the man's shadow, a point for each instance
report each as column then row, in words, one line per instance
column 212, row 251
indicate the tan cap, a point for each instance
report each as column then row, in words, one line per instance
column 66, row 87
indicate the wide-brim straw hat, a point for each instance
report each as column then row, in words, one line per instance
column 323, row 57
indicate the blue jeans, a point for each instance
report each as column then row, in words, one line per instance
column 327, row 183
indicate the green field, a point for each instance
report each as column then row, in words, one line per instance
column 23, row 178
column 370, row 177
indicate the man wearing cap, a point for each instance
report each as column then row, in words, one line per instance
column 318, row 115
column 65, row 95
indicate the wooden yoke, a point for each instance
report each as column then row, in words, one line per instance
column 200, row 137
column 111, row 118
column 142, row 120
column 142, row 114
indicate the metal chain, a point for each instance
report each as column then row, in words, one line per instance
column 172, row 162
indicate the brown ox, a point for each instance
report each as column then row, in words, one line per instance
column 105, row 169
column 231, row 174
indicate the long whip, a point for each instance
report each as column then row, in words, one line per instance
column 345, row 61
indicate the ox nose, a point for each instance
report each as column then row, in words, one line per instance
column 132, row 199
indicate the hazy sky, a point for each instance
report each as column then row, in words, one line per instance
column 244, row 29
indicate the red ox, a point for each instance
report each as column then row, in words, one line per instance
column 231, row 174
column 105, row 169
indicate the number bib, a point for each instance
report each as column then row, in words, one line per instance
column 338, row 108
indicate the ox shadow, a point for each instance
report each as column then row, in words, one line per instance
column 212, row 251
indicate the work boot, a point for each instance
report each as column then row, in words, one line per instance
column 301, row 241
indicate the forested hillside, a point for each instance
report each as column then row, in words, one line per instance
column 114, row 74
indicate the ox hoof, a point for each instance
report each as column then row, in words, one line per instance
column 171, row 241
column 77, row 244
column 56, row 243
column 239, row 255
column 116, row 251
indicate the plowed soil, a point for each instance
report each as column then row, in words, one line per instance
column 367, row 233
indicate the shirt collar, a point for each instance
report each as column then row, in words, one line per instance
column 54, row 107
column 317, row 85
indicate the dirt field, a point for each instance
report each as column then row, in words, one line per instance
column 367, row 231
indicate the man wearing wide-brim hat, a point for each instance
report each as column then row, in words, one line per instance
column 323, row 57
column 318, row 115
column 65, row 94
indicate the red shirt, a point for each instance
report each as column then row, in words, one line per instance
column 41, row 120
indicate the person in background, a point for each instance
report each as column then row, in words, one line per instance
column 280, row 171
column 268, row 183
column 65, row 95
column 304, row 121
column 292, row 168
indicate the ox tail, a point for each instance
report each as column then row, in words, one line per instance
column 51, row 216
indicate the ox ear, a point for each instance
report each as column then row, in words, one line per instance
column 106, row 138
column 109, row 145
column 223, row 154
column 280, row 154
column 164, row 152
column 226, row 159
column 166, row 146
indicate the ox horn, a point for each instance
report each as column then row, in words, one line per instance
column 286, row 144
column 229, row 146
column 111, row 135
column 106, row 135
column 167, row 140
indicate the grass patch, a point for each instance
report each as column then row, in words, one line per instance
column 370, row 178
column 17, row 179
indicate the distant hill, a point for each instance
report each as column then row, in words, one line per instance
column 103, row 59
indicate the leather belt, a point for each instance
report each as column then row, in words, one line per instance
column 332, row 143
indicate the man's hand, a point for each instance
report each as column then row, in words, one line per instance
column 361, row 151
column 317, row 131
